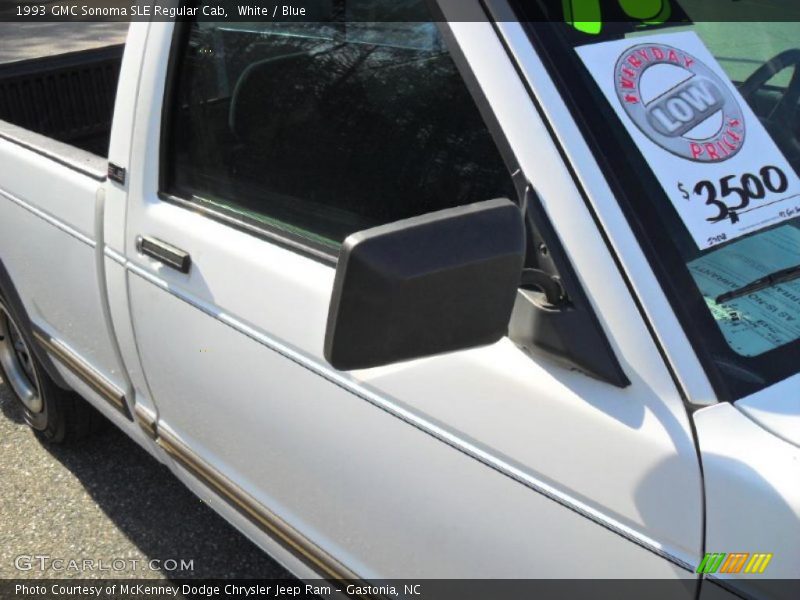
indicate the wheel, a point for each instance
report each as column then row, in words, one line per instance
column 55, row 415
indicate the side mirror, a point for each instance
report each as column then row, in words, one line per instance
column 427, row 285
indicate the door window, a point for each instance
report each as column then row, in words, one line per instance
column 319, row 130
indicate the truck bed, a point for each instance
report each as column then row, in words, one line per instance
column 67, row 97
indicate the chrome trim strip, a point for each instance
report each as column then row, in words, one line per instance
column 260, row 231
column 88, row 374
column 146, row 421
column 115, row 256
column 57, row 223
column 291, row 539
column 418, row 421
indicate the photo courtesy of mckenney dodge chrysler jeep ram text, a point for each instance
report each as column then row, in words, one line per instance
column 481, row 294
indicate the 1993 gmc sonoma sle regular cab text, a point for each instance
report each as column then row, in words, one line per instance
column 485, row 295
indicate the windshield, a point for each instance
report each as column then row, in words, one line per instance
column 693, row 113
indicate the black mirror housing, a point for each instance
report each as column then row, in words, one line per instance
column 427, row 285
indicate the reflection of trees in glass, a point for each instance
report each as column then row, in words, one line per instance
column 318, row 126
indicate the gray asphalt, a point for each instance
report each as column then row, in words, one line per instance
column 106, row 499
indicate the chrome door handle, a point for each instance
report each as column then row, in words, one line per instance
column 168, row 254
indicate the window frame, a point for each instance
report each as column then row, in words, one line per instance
column 273, row 234
column 704, row 336
column 524, row 194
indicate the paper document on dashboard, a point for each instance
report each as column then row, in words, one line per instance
column 764, row 320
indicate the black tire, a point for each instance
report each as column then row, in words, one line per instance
column 55, row 415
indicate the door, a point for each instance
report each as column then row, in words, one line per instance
column 279, row 141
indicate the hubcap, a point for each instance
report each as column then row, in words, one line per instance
column 17, row 362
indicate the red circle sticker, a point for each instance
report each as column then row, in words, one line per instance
column 680, row 103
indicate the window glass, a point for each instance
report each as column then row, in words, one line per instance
column 324, row 129
column 696, row 120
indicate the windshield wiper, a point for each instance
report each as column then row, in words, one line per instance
column 762, row 283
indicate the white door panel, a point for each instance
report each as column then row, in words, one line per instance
column 224, row 261
column 564, row 428
column 552, row 425
column 438, row 467
column 387, row 498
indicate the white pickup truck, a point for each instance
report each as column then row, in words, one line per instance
column 490, row 295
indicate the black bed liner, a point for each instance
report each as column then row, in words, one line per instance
column 67, row 97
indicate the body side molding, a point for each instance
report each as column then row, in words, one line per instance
column 146, row 421
column 83, row 370
column 414, row 419
column 258, row 514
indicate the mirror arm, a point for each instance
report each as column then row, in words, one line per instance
column 552, row 313
column 548, row 284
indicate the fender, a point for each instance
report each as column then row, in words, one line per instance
column 17, row 309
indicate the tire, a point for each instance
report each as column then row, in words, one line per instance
column 55, row 415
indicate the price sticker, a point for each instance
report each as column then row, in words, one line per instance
column 719, row 167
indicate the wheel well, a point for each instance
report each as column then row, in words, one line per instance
column 13, row 302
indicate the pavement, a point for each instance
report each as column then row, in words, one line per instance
column 106, row 499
